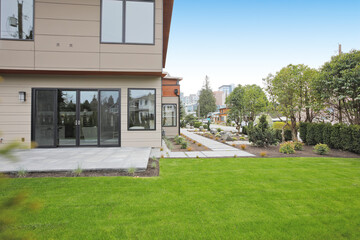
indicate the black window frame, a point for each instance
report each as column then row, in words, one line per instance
column 33, row 23
column 176, row 113
column 128, row 110
column 124, row 24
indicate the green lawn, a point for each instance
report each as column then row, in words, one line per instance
column 248, row 198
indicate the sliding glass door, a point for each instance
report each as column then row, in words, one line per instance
column 71, row 118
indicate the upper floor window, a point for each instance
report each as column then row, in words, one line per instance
column 128, row 21
column 17, row 19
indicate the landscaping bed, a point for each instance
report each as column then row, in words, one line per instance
column 192, row 146
column 151, row 171
column 308, row 151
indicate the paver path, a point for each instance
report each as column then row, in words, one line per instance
column 219, row 150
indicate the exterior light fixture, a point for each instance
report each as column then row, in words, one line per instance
column 176, row 92
column 22, row 96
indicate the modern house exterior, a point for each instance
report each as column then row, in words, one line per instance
column 79, row 73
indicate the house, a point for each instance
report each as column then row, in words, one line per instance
column 84, row 72
column 224, row 114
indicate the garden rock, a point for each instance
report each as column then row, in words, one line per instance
column 227, row 137
column 213, row 131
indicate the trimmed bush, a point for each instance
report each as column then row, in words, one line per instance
column 287, row 148
column 287, row 135
column 311, row 134
column 319, row 133
column 346, row 137
column 298, row 146
column 327, row 134
column 179, row 140
column 197, row 124
column 335, row 136
column 262, row 135
column 279, row 126
column 303, row 131
column 184, row 145
column 355, row 133
column 321, row 149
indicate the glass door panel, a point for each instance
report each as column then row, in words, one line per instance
column 44, row 118
column 109, row 117
column 89, row 117
column 67, row 118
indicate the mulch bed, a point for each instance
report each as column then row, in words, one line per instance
column 149, row 172
column 273, row 151
column 194, row 146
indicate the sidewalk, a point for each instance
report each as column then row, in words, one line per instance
column 219, row 150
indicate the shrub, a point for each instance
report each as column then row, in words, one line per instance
column 182, row 124
column 234, row 138
column 21, row 173
column 287, row 135
column 355, row 133
column 327, row 134
column 219, row 130
column 242, row 138
column 298, row 146
column 199, row 144
column 131, row 171
column 319, row 133
column 218, row 135
column 321, row 149
column 346, row 137
column 311, row 134
column 303, row 131
column 189, row 149
column 244, row 130
column 77, row 172
column 335, row 136
column 179, row 140
column 197, row 124
column 184, row 145
column 234, row 145
column 153, row 165
column 243, row 146
column 261, row 135
column 263, row 154
column 287, row 148
column 217, row 138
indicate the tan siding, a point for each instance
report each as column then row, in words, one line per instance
column 67, row 11
column 16, row 117
column 17, row 45
column 67, row 44
column 130, row 61
column 11, row 58
column 73, row 2
column 66, row 60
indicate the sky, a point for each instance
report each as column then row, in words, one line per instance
column 241, row 42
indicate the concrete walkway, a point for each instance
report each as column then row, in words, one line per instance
column 68, row 159
column 218, row 149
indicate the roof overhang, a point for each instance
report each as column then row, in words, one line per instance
column 167, row 15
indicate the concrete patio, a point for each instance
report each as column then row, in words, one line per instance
column 68, row 159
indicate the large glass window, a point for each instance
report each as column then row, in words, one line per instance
column 128, row 21
column 141, row 104
column 109, row 117
column 17, row 19
column 169, row 115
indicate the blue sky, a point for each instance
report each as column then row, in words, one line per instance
column 242, row 42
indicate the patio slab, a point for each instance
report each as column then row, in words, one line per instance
column 68, row 159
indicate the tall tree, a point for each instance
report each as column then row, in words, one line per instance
column 291, row 92
column 339, row 85
column 255, row 101
column 207, row 101
column 235, row 102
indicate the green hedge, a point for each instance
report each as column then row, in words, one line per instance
column 288, row 135
column 337, row 136
column 303, row 131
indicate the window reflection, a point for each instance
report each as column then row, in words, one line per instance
column 141, row 109
column 169, row 115
column 109, row 117
column 17, row 18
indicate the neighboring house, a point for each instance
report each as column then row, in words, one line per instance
column 83, row 72
column 171, row 106
column 224, row 114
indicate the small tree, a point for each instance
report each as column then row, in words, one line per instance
column 207, row 101
column 262, row 135
column 235, row 102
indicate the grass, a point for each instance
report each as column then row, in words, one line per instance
column 249, row 198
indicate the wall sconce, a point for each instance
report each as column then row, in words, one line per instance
column 22, row 96
column 176, row 92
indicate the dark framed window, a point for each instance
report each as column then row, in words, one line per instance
column 169, row 115
column 128, row 21
column 17, row 19
column 141, row 109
